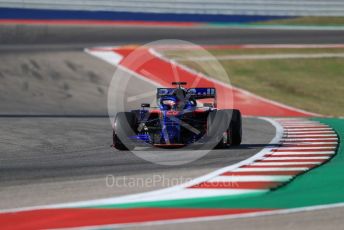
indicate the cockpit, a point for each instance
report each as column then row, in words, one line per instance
column 178, row 100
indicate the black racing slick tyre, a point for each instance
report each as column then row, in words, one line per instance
column 236, row 128
column 125, row 126
column 218, row 128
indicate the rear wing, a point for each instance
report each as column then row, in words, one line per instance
column 161, row 92
column 202, row 93
column 196, row 93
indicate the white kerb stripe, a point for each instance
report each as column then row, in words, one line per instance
column 305, row 126
column 306, row 148
column 294, row 158
column 310, row 135
column 302, row 153
column 249, row 178
column 310, row 139
column 300, row 123
column 270, row 169
column 309, row 129
column 309, row 132
column 284, row 163
column 308, row 142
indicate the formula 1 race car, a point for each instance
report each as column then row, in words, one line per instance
column 180, row 119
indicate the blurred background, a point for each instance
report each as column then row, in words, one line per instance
column 55, row 134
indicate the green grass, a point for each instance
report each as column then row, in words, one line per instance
column 315, row 85
column 307, row 21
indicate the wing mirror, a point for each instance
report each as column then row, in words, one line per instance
column 145, row 105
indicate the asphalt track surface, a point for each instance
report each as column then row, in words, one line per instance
column 55, row 135
column 73, row 37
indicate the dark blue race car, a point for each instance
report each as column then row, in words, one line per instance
column 183, row 117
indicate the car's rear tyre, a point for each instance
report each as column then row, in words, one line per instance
column 125, row 126
column 236, row 128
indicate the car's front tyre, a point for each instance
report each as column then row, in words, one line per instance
column 124, row 127
column 225, row 127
